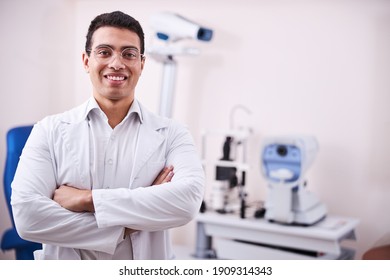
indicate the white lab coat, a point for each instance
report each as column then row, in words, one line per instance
column 57, row 152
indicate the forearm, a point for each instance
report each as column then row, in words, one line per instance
column 44, row 221
column 151, row 208
column 77, row 200
column 74, row 199
column 81, row 200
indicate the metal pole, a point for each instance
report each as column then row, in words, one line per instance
column 168, row 87
column 203, row 248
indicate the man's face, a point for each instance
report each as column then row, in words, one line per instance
column 113, row 77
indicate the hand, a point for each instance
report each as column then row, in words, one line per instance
column 165, row 176
column 74, row 199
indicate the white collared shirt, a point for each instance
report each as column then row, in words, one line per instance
column 112, row 155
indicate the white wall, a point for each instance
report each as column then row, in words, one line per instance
column 36, row 75
column 318, row 67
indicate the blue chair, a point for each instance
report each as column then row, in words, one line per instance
column 16, row 139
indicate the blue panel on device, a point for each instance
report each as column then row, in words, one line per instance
column 277, row 157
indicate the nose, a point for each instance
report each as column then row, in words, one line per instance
column 116, row 62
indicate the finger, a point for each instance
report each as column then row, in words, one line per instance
column 168, row 178
column 167, row 169
column 162, row 175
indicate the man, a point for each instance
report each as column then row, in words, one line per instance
column 97, row 182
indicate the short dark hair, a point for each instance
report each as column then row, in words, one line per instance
column 114, row 19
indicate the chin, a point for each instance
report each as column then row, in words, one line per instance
column 116, row 96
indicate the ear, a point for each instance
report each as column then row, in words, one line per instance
column 143, row 63
column 85, row 58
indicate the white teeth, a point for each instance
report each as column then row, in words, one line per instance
column 115, row 78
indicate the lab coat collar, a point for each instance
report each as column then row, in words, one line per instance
column 94, row 106
column 80, row 114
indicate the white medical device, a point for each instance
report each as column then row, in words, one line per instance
column 284, row 163
column 171, row 28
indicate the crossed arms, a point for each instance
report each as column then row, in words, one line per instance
column 77, row 200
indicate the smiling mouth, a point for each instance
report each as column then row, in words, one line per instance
column 115, row 78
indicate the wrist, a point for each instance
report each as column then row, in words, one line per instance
column 88, row 202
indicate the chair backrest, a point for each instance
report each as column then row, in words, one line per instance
column 16, row 139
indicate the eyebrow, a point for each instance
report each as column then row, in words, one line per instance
column 111, row 47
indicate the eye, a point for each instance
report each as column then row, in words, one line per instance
column 103, row 52
column 130, row 54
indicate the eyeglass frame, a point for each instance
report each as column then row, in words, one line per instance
column 109, row 59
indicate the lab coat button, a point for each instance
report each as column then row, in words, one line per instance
column 109, row 161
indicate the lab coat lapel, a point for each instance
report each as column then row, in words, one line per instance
column 76, row 141
column 149, row 140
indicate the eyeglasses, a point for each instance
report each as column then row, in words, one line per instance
column 105, row 54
